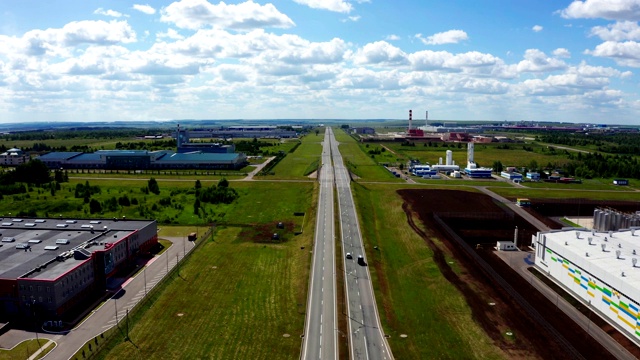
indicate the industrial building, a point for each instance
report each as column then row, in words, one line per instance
column 472, row 170
column 50, row 268
column 610, row 219
column 512, row 175
column 250, row 132
column 533, row 176
column 13, row 157
column 143, row 160
column 600, row 269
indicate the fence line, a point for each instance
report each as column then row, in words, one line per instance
column 508, row 288
column 107, row 335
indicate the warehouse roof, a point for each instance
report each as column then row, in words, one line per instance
column 42, row 237
column 610, row 256
column 199, row 157
column 64, row 155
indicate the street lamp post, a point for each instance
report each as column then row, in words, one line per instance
column 35, row 320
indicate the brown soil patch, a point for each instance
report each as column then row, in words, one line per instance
column 530, row 339
column 263, row 233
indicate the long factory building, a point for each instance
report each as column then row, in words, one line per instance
column 143, row 160
column 52, row 267
column 600, row 269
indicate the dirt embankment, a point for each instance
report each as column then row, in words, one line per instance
column 532, row 340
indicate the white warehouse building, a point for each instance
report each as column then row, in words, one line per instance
column 601, row 269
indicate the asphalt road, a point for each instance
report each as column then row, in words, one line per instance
column 517, row 209
column 321, row 335
column 366, row 338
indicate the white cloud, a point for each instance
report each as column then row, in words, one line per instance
column 447, row 37
column 147, row 9
column 625, row 53
column 606, row 9
column 564, row 84
column 170, row 34
column 339, row 6
column 196, row 14
column 380, row 53
column 562, row 53
column 537, row 61
column 392, row 37
column 54, row 42
column 625, row 30
column 537, row 28
column 112, row 13
column 478, row 86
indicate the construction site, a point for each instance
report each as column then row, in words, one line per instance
column 468, row 227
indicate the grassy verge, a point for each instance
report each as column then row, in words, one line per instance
column 296, row 165
column 236, row 299
column 568, row 194
column 26, row 349
column 358, row 162
column 410, row 288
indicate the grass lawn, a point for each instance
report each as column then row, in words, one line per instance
column 303, row 160
column 238, row 298
column 359, row 162
column 587, row 184
column 568, row 194
column 27, row 348
column 410, row 289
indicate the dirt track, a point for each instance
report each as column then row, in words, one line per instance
column 532, row 341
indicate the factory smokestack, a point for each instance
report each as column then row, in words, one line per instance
column 410, row 119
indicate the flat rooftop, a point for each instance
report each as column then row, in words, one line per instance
column 606, row 255
column 42, row 236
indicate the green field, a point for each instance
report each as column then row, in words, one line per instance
column 587, row 184
column 94, row 143
column 359, row 163
column 410, row 289
column 302, row 161
column 173, row 206
column 236, row 299
column 514, row 193
column 484, row 154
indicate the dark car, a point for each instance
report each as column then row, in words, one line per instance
column 349, row 256
column 361, row 261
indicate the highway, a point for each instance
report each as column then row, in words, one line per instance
column 366, row 338
column 321, row 334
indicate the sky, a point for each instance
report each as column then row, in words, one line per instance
column 117, row 60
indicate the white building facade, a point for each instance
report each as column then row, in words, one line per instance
column 601, row 269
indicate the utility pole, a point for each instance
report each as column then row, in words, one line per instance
column 115, row 302
column 127, row 337
column 144, row 273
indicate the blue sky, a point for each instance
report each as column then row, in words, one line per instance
column 541, row 60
